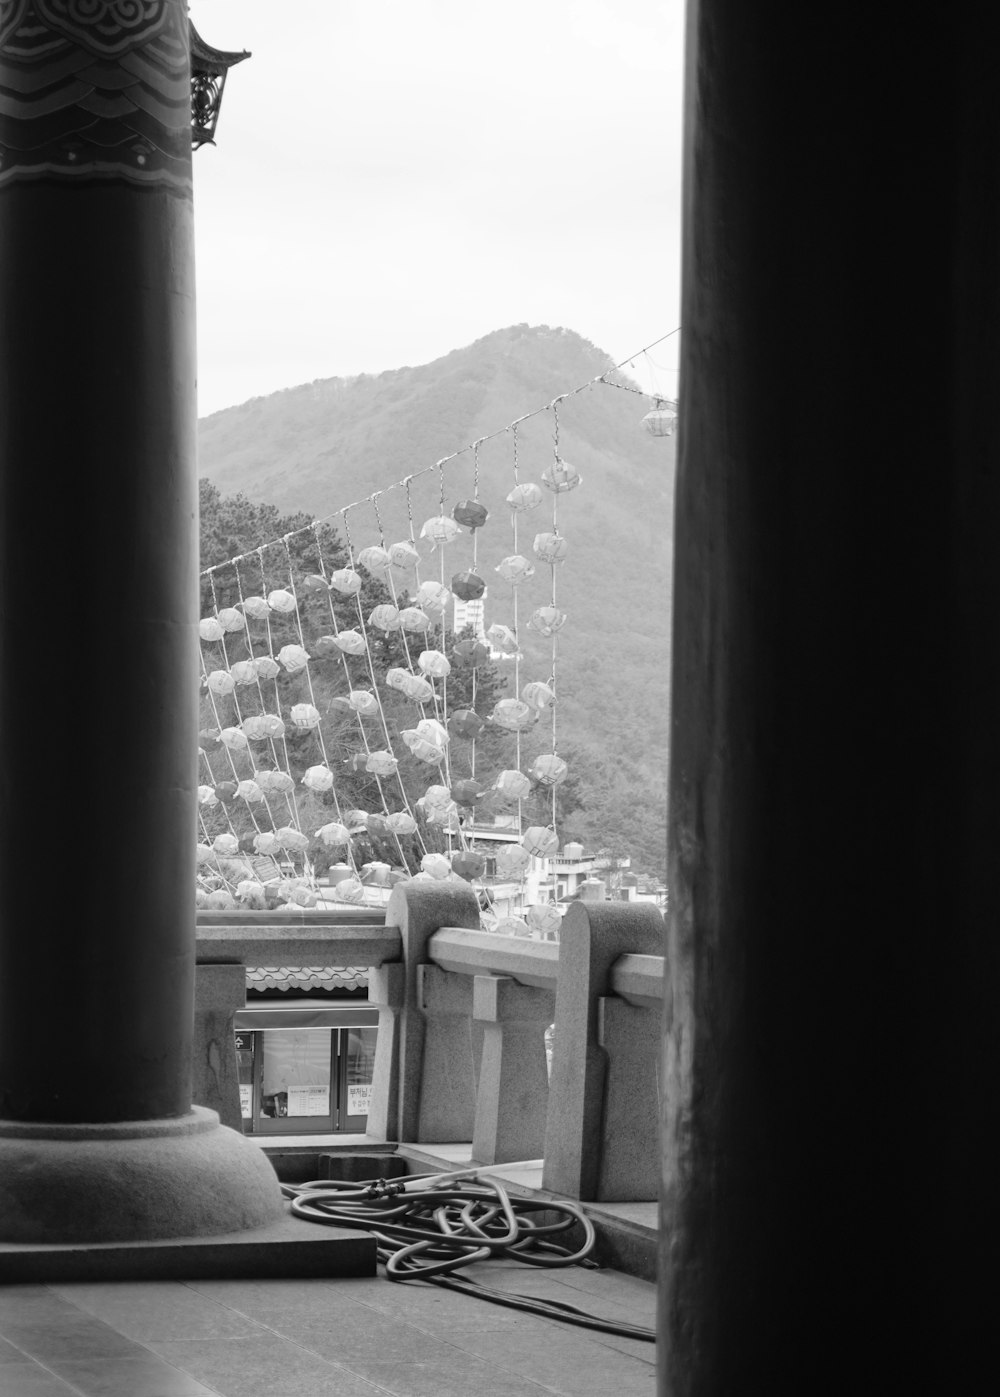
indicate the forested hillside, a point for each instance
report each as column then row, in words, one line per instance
column 311, row 451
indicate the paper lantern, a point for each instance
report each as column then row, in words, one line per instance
column 293, row 658
column 471, row 514
column 512, row 861
column 465, row 723
column 266, row 842
column 266, row 667
column 435, row 797
column 661, row 421
column 436, row 865
column 560, row 477
column 256, row 608
column 209, row 629
column 511, row 926
column 226, row 791
column 381, row 763
column 318, row 778
column 220, row 901
column 428, row 741
column 538, row 695
column 363, row 701
column 467, row 791
column 374, row 560
column 546, row 620
column 350, row 890
column 540, row 841
column 515, row 569
column 350, row 642
column 208, row 740
column 550, row 548
column 400, row 822
column 251, row 894
column 377, row 825
column 313, row 582
column 221, row 682
column 231, row 620
column 396, row 678
column 413, row 619
column 207, row 796
column 334, row 834
column 512, row 785
column 281, row 601
column 433, row 597
column 417, row 689
column 440, row 530
column 502, row 638
column 524, row 497
column 293, row 841
column 346, row 581
column 468, row 865
column 204, row 854
column 403, row 555
column 274, row 782
column 244, row 672
column 513, row 715
column 433, row 662
column 549, row 770
column 226, row 844
column 250, row 792
column 468, row 586
column 261, row 727
column 304, row 716
column 233, row 738
column 385, row 618
column 469, row 654
column 355, row 820
column 545, row 918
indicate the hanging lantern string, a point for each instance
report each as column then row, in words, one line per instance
column 260, row 690
column 517, row 639
column 630, row 388
column 290, row 796
column 236, row 705
column 490, row 436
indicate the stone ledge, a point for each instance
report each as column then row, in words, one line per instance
column 287, row 1249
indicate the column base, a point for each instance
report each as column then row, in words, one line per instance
column 132, row 1181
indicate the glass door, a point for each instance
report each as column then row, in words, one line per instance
column 355, row 1064
column 295, row 1081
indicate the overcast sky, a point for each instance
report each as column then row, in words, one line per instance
column 396, row 178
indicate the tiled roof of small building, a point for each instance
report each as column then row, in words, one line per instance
column 307, row 977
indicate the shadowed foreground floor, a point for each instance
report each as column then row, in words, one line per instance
column 315, row 1338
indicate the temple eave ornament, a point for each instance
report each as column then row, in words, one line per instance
column 209, row 67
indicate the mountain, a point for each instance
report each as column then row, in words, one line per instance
column 321, row 447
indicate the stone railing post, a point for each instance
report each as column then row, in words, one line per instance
column 629, row 1030
column 386, row 987
column 593, row 936
column 418, row 910
column 219, row 991
column 512, row 1097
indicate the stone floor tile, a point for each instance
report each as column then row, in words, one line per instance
column 566, row 1359
column 129, row 1377
column 157, row 1310
column 264, row 1301
column 33, row 1304
column 10, row 1354
column 81, row 1338
column 374, row 1336
column 32, row 1380
column 273, row 1367
column 453, row 1379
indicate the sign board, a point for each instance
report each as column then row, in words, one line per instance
column 359, row 1099
column 309, row 1101
column 246, row 1100
column 244, row 1042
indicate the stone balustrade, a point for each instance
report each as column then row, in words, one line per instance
column 461, row 1051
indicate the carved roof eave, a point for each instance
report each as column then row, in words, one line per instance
column 207, row 59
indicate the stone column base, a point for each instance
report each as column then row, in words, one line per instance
column 131, row 1181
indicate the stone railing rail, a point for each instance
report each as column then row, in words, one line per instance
column 461, row 1050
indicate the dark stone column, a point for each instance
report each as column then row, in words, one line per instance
column 98, row 612
column 830, row 1200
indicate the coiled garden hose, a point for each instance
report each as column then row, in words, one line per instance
column 427, row 1226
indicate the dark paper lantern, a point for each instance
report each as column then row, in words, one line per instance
column 470, row 654
column 468, row 586
column 470, row 513
column 468, row 865
column 226, row 791
column 465, row 723
column 466, row 792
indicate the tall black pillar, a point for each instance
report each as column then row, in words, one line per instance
column 830, row 1201
column 98, row 612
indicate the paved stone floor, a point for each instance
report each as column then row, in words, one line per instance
column 315, row 1338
